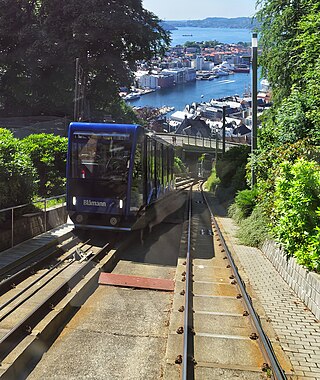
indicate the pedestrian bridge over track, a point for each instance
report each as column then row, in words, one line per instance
column 198, row 144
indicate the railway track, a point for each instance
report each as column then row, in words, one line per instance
column 17, row 271
column 185, row 183
column 124, row 324
column 36, row 257
column 35, row 289
column 34, row 306
column 215, row 332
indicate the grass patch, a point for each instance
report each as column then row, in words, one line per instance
column 39, row 205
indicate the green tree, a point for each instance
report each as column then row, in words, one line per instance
column 279, row 20
column 288, row 156
column 40, row 40
column 290, row 42
column 48, row 154
column 230, row 168
column 192, row 44
column 18, row 30
column 18, row 180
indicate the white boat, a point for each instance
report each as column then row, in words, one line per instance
column 226, row 66
column 132, row 96
column 219, row 72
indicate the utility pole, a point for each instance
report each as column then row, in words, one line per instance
column 224, row 108
column 254, row 104
column 79, row 92
column 217, row 147
column 76, row 92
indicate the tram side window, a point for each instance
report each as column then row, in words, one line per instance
column 165, row 166
column 171, row 164
column 137, row 178
column 150, row 167
column 159, row 166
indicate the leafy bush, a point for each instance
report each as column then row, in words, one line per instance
column 244, row 204
column 296, row 214
column 234, row 213
column 310, row 257
column 268, row 166
column 48, row 154
column 17, row 174
column 291, row 125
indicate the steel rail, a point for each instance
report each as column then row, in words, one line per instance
column 185, row 361
column 25, row 327
column 275, row 365
column 180, row 186
column 25, row 272
column 46, row 282
column 6, row 270
column 35, row 291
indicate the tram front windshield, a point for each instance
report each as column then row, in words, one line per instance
column 101, row 157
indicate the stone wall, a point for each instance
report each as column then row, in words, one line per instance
column 31, row 225
column 305, row 284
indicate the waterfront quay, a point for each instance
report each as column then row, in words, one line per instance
column 183, row 64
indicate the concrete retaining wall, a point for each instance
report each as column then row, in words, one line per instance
column 31, row 225
column 305, row 284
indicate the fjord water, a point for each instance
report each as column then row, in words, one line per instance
column 198, row 91
column 223, row 35
column 204, row 90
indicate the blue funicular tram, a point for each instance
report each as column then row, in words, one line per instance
column 114, row 172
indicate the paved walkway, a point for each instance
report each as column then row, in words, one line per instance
column 297, row 329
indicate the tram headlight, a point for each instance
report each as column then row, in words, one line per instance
column 120, row 203
column 74, row 201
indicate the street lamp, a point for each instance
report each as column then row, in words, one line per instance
column 254, row 104
column 224, row 130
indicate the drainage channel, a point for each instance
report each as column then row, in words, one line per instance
column 214, row 332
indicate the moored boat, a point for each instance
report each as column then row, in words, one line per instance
column 132, row 96
column 241, row 68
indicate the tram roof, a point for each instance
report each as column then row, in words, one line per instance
column 120, row 128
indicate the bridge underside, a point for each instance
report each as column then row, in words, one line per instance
column 196, row 166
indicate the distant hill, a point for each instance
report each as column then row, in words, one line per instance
column 213, row 22
column 167, row 26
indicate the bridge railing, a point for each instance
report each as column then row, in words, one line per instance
column 210, row 143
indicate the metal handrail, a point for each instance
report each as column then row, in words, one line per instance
column 35, row 201
column 13, row 208
column 198, row 141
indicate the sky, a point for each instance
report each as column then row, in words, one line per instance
column 199, row 9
